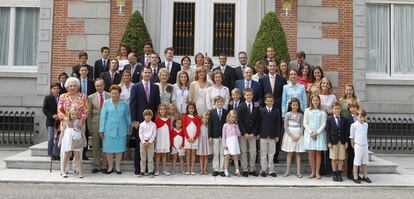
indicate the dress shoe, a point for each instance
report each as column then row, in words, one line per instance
column 85, row 157
column 245, row 174
column 254, row 173
column 366, row 179
column 263, row 174
column 273, row 175
column 340, row 179
column 118, row 172
column 335, row 178
column 358, row 181
column 104, row 171
column 222, row 174
column 215, row 173
column 109, row 172
column 136, row 172
column 96, row 170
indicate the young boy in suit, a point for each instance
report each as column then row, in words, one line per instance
column 269, row 132
column 52, row 121
column 337, row 131
column 235, row 100
column 248, row 123
column 216, row 120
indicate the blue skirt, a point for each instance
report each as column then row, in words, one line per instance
column 114, row 144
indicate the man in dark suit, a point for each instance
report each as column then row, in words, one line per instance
column 248, row 121
column 243, row 64
column 216, row 121
column 62, row 79
column 134, row 67
column 145, row 59
column 248, row 82
column 52, row 121
column 144, row 95
column 273, row 83
column 111, row 77
column 228, row 71
column 337, row 131
column 155, row 68
column 102, row 65
column 172, row 66
column 83, row 57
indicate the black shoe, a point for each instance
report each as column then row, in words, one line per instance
column 215, row 173
column 358, row 181
column 359, row 177
column 96, row 170
column 85, row 157
column 222, row 174
column 245, row 174
column 340, row 179
column 335, row 178
column 366, row 179
column 118, row 172
column 254, row 173
column 350, row 177
column 136, row 172
column 104, row 171
column 109, row 172
column 273, row 175
column 263, row 174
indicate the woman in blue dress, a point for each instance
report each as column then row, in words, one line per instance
column 113, row 128
column 293, row 90
column 314, row 121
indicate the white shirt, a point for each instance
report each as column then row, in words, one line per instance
column 214, row 91
column 168, row 65
column 359, row 132
column 147, row 131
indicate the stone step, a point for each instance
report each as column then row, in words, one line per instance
column 41, row 150
column 25, row 160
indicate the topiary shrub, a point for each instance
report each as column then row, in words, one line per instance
column 136, row 33
column 270, row 34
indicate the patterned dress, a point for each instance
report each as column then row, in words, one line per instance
column 314, row 121
column 293, row 126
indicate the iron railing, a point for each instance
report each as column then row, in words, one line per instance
column 388, row 134
column 17, row 127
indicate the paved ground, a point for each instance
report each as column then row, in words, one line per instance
column 153, row 192
column 7, row 152
column 405, row 162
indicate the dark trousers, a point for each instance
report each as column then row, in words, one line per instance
column 326, row 166
column 279, row 144
column 85, row 149
column 137, row 158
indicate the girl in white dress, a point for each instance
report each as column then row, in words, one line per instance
column 293, row 137
column 191, row 128
column 177, row 144
column 204, row 146
column 230, row 141
column 162, row 144
column 123, row 57
column 180, row 92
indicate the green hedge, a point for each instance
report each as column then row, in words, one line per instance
column 270, row 34
column 136, row 33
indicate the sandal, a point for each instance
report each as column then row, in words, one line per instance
column 286, row 174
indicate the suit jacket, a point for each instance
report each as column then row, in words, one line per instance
column 337, row 133
column 62, row 89
column 114, row 121
column 270, row 125
column 239, row 72
column 141, row 59
column 106, row 76
column 278, row 89
column 154, row 78
column 248, row 122
column 257, row 91
column 95, row 111
column 90, row 86
column 100, row 68
column 215, row 125
column 294, row 64
column 50, row 109
column 175, row 68
column 75, row 71
column 229, row 77
column 136, row 75
column 231, row 106
column 138, row 100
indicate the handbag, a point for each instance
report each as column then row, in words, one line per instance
column 79, row 143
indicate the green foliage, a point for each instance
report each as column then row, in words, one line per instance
column 136, row 33
column 270, row 34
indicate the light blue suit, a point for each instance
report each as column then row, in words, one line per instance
column 114, row 123
column 290, row 91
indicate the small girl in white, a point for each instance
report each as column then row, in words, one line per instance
column 73, row 125
column 230, row 138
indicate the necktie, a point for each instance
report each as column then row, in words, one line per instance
column 154, row 72
column 269, row 110
column 337, row 121
column 57, row 98
column 101, row 100
column 235, row 106
column 272, row 83
column 147, row 91
column 104, row 63
column 249, row 107
column 247, row 84
column 168, row 67
column 219, row 114
column 84, row 91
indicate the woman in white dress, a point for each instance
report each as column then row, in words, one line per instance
column 180, row 92
column 166, row 89
column 123, row 57
column 217, row 90
column 198, row 90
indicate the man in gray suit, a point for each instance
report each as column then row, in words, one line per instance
column 95, row 103
column 299, row 62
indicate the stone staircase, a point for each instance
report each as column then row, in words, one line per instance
column 36, row 158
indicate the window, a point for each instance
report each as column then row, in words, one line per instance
column 19, row 30
column 390, row 45
column 224, row 17
column 183, row 28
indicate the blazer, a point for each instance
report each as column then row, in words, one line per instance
column 50, row 109
column 138, row 100
column 278, row 90
column 257, row 90
column 136, row 75
column 175, row 68
column 100, row 68
column 229, row 76
column 106, row 76
column 270, row 125
column 90, row 86
column 114, row 122
column 75, row 71
column 95, row 111
column 335, row 133
column 215, row 125
column 154, row 78
column 248, row 122
column 62, row 89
